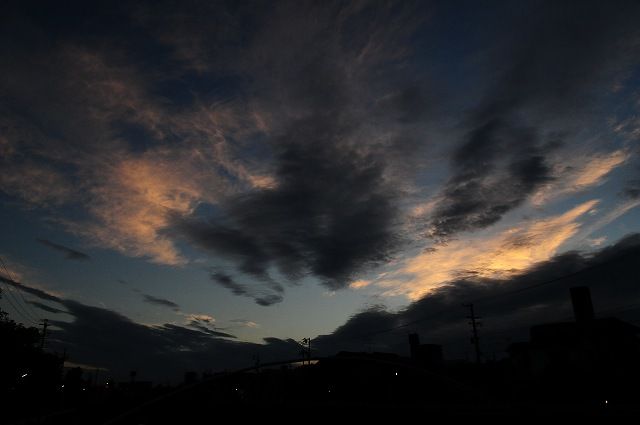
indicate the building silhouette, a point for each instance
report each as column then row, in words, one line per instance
column 589, row 358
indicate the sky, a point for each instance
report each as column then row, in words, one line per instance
column 189, row 185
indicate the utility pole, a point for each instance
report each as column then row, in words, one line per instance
column 474, row 328
column 307, row 341
column 45, row 323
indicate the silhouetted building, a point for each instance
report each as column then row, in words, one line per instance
column 588, row 358
column 425, row 355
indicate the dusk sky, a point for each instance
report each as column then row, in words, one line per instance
column 194, row 182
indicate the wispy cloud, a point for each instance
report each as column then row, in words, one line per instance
column 245, row 323
column 69, row 253
column 578, row 174
column 258, row 295
column 36, row 183
column 610, row 216
column 497, row 256
column 161, row 302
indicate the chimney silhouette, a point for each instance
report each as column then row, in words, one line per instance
column 582, row 306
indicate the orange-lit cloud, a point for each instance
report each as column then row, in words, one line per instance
column 359, row 284
column 580, row 174
column 612, row 215
column 499, row 256
column 131, row 195
column 200, row 318
column 132, row 203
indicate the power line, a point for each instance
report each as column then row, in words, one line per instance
column 14, row 303
column 24, row 306
column 27, row 307
column 17, row 307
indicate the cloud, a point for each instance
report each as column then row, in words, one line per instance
column 39, row 293
column 203, row 318
column 633, row 189
column 550, row 78
column 615, row 212
column 161, row 302
column 497, row 168
column 133, row 200
column 131, row 163
column 107, row 339
column 504, row 254
column 509, row 304
column 204, row 323
column 36, row 183
column 46, row 307
column 258, row 296
column 359, row 284
column 228, row 282
column 295, row 162
column 579, row 174
column 245, row 323
column 340, row 139
column 70, row 254
column 597, row 168
column 329, row 216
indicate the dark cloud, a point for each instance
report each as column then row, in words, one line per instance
column 496, row 170
column 228, row 282
column 559, row 63
column 508, row 307
column 43, row 295
column 69, row 253
column 330, row 215
column 161, row 302
column 332, row 212
column 268, row 300
column 105, row 338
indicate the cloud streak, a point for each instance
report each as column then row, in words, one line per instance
column 161, row 302
column 239, row 289
column 69, row 253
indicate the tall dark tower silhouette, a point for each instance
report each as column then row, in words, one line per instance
column 582, row 305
